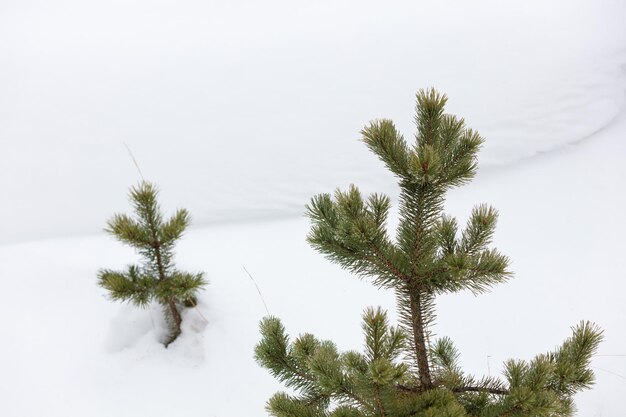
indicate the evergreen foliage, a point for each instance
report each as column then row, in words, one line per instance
column 401, row 373
column 156, row 279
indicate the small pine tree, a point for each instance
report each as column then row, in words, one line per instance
column 400, row 373
column 156, row 279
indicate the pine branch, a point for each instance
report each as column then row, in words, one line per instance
column 352, row 233
column 130, row 286
column 446, row 231
column 346, row 411
column 479, row 231
column 461, row 166
column 384, row 265
column 283, row 405
column 273, row 353
column 128, row 231
column 444, row 355
column 382, row 138
column 328, row 373
column 480, row 389
column 174, row 228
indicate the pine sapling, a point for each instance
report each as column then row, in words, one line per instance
column 156, row 279
column 404, row 372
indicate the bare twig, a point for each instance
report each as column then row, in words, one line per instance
column 257, row 289
column 481, row 389
column 193, row 303
column 134, row 161
column 488, row 390
column 609, row 372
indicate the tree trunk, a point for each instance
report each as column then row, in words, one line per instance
column 171, row 304
column 177, row 320
column 419, row 340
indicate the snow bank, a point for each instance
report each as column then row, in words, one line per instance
column 243, row 109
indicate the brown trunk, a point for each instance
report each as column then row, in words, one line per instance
column 175, row 331
column 419, row 339
column 171, row 304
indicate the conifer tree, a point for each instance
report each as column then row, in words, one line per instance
column 156, row 279
column 401, row 373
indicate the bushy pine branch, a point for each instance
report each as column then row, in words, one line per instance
column 328, row 382
column 352, row 232
column 127, row 286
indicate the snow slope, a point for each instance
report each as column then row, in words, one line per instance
column 243, row 109
column 67, row 351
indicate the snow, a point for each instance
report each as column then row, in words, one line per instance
column 68, row 351
column 241, row 111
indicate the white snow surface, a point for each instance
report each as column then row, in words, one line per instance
column 68, row 351
column 243, row 109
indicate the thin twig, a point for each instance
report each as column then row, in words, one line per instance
column 609, row 372
column 134, row 161
column 193, row 303
column 257, row 289
column 481, row 389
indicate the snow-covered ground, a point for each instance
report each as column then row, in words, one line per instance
column 68, row 351
column 241, row 111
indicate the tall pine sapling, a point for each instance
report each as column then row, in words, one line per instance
column 401, row 373
column 156, row 279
